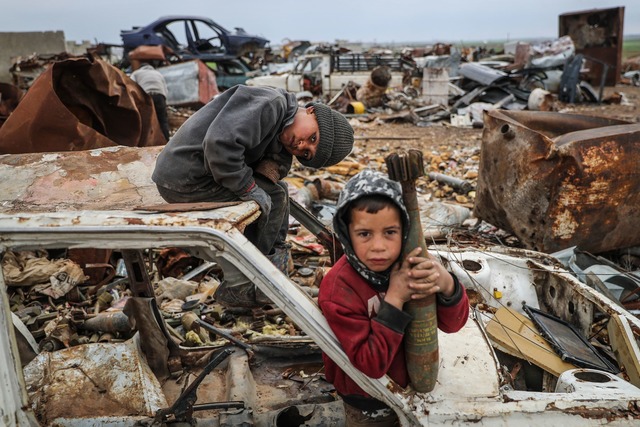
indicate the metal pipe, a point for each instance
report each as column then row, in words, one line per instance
column 114, row 321
column 461, row 185
column 421, row 336
column 325, row 236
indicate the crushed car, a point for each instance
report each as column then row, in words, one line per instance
column 194, row 37
column 135, row 344
column 233, row 72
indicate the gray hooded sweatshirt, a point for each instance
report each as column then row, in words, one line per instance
column 220, row 143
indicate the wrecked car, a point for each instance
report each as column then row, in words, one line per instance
column 328, row 73
column 194, row 37
column 232, row 72
column 539, row 346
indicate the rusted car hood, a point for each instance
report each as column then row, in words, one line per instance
column 560, row 180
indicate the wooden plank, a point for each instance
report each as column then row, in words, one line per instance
column 625, row 347
column 517, row 336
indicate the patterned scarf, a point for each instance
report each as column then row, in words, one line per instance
column 367, row 183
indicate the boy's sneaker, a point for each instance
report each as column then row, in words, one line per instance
column 241, row 294
column 281, row 258
column 246, row 294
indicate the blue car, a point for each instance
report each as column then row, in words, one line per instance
column 195, row 37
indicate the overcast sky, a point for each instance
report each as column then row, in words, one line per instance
column 318, row 20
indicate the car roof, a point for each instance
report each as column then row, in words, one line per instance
column 185, row 17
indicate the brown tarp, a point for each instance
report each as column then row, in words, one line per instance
column 81, row 104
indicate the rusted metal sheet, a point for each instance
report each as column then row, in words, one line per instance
column 112, row 178
column 81, row 104
column 559, row 180
column 190, row 84
column 108, row 178
column 10, row 97
column 80, row 375
column 597, row 34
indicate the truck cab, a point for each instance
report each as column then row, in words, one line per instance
column 327, row 74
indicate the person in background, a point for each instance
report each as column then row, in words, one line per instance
column 363, row 295
column 153, row 83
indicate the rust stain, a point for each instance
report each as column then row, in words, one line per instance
column 134, row 221
column 394, row 387
column 105, row 179
column 559, row 180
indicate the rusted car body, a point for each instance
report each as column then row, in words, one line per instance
column 559, row 180
column 478, row 380
column 194, row 37
column 76, row 90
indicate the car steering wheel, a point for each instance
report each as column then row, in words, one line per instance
column 203, row 43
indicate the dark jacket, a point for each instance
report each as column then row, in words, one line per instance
column 220, row 143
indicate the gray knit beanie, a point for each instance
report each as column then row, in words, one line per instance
column 336, row 137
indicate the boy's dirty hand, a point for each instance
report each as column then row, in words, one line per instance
column 400, row 290
column 260, row 196
column 428, row 276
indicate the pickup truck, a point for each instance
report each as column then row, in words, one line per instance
column 496, row 371
column 327, row 73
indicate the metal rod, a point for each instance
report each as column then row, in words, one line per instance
column 225, row 335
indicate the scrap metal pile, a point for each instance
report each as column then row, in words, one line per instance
column 65, row 301
column 536, row 214
column 452, row 87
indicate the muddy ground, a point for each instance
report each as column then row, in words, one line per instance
column 441, row 135
column 454, row 151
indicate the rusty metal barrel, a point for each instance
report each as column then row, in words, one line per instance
column 421, row 336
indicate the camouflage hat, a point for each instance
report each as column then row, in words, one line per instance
column 367, row 183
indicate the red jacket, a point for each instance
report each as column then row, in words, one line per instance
column 370, row 330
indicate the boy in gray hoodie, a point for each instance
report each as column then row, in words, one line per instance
column 241, row 145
